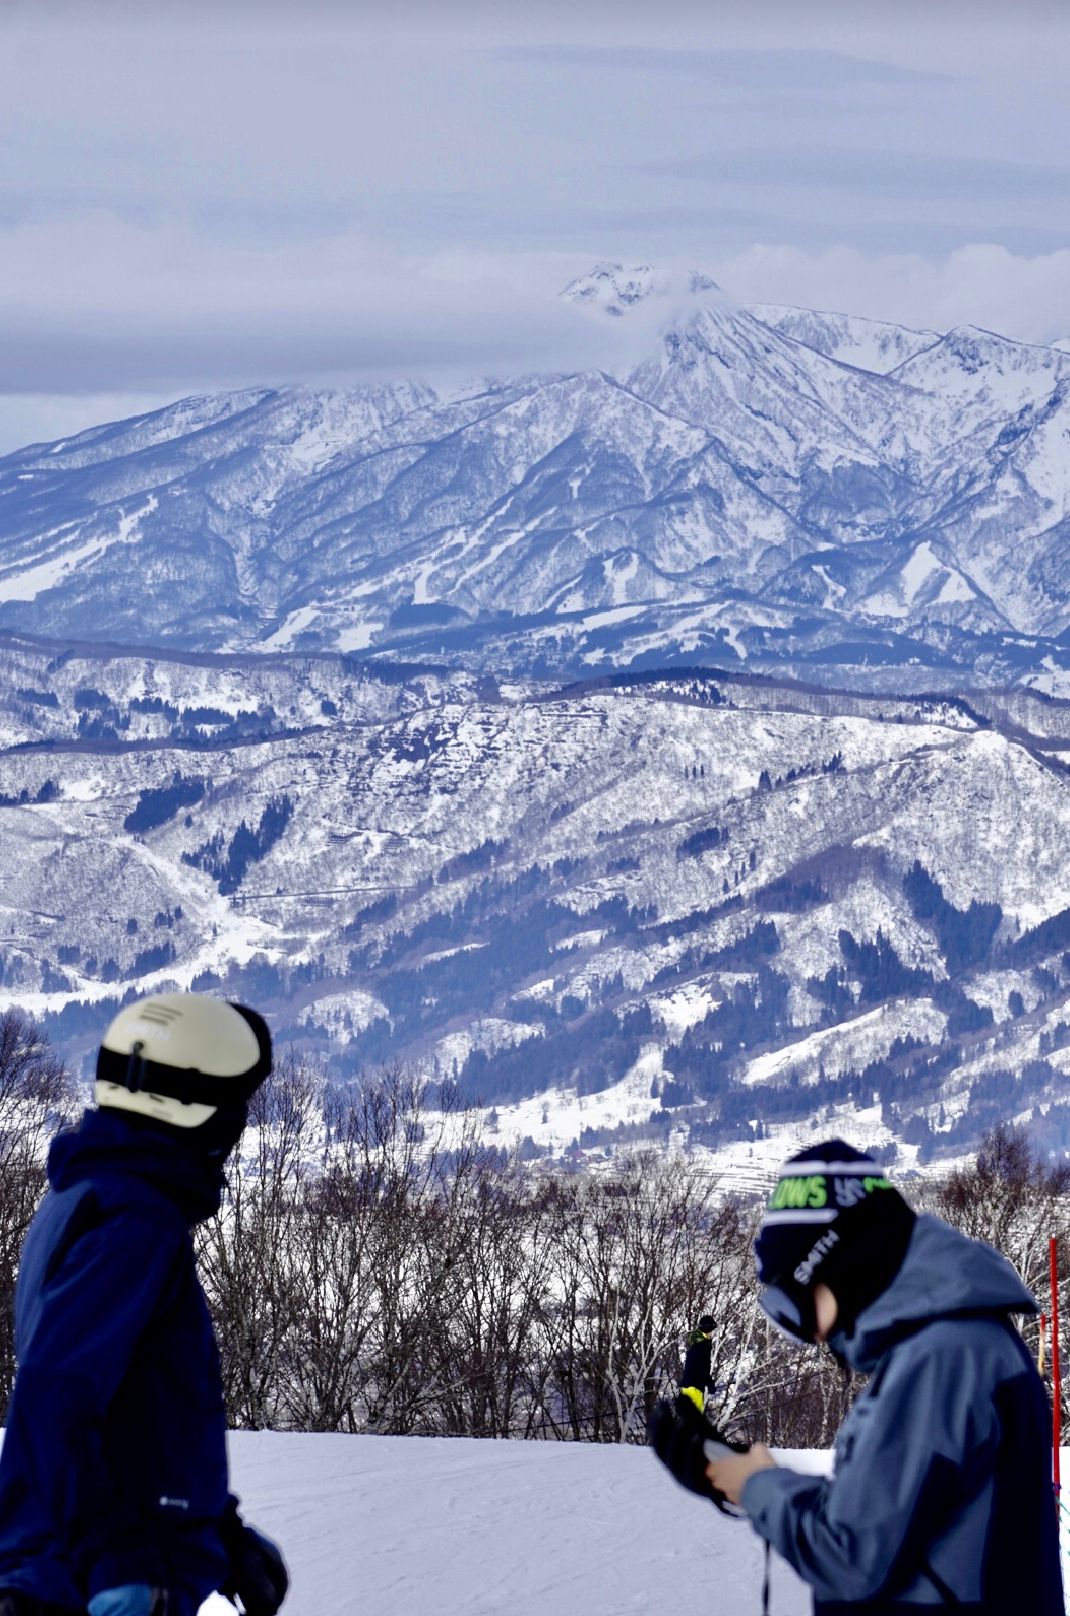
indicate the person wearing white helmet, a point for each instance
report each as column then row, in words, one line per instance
column 114, row 1490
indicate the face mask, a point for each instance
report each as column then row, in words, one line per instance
column 791, row 1308
column 217, row 1137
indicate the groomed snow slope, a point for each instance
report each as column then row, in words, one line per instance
column 399, row 1526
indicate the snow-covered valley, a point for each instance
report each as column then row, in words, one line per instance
column 695, row 909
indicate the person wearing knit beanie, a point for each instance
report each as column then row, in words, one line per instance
column 834, row 1220
column 941, row 1491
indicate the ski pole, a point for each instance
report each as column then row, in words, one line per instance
column 1056, row 1371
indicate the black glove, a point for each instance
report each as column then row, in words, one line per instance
column 257, row 1577
column 678, row 1434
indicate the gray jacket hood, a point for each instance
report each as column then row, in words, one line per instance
column 944, row 1273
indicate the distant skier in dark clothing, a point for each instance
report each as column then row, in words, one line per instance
column 113, row 1473
column 695, row 1381
column 941, row 1493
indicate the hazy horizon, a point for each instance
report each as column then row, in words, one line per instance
column 205, row 199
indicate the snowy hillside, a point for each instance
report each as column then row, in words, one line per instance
column 763, row 488
column 442, row 727
column 682, row 907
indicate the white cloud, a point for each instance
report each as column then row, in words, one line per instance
column 95, row 302
column 211, row 196
column 1027, row 298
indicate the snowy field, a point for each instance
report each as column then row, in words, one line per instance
column 399, row 1526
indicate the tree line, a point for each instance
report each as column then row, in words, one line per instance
column 376, row 1266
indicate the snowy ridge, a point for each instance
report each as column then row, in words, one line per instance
column 750, row 486
column 872, row 345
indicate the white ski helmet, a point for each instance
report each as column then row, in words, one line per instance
column 179, row 1057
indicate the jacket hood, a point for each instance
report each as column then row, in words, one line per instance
column 944, row 1273
column 110, row 1144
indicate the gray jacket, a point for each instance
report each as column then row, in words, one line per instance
column 941, row 1493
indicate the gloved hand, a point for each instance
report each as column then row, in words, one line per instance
column 258, row 1577
column 678, row 1434
column 129, row 1599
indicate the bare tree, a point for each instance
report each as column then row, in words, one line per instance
column 1011, row 1196
column 1015, row 1198
column 491, row 1370
column 374, row 1267
column 36, row 1098
column 641, row 1252
column 247, row 1250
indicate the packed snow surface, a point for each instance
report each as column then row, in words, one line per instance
column 396, row 1526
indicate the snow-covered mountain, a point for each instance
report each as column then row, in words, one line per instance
column 467, row 729
column 767, row 488
column 676, row 906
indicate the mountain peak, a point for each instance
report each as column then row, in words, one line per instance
column 972, row 343
column 616, row 288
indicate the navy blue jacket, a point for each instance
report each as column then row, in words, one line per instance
column 114, row 1466
column 941, row 1494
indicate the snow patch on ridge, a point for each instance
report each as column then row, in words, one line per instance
column 58, row 568
column 923, row 579
column 297, row 620
column 684, row 1008
column 344, row 1014
column 556, row 1118
column 852, row 1045
column 850, row 339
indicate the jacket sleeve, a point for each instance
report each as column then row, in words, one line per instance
column 696, row 1370
column 899, row 1471
column 90, row 1319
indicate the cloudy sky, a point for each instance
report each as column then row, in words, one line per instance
column 200, row 195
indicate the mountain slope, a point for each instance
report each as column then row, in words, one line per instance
column 679, row 903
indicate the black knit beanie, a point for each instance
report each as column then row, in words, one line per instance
column 834, row 1219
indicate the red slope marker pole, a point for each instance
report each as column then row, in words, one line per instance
column 1056, row 1375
